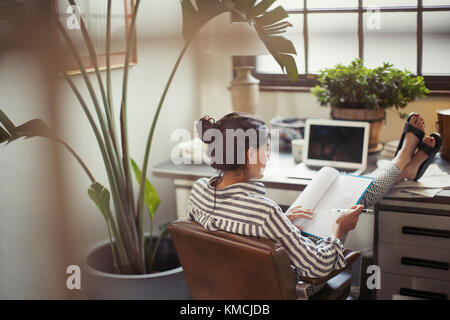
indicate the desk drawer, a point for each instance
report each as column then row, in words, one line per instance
column 412, row 287
column 414, row 229
column 414, row 261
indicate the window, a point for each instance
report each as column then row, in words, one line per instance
column 411, row 34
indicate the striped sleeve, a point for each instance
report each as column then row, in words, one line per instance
column 313, row 260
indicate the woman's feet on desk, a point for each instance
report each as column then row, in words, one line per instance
column 422, row 158
column 410, row 141
column 415, row 125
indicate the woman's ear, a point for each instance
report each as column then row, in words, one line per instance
column 252, row 155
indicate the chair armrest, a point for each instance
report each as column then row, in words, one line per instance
column 350, row 257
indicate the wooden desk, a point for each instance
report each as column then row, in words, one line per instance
column 412, row 245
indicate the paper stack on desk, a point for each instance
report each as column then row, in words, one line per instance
column 432, row 182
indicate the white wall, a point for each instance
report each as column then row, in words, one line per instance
column 28, row 240
column 27, row 234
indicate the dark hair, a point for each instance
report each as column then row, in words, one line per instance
column 234, row 121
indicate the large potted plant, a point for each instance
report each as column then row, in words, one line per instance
column 133, row 263
column 355, row 92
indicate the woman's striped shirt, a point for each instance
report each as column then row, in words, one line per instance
column 243, row 208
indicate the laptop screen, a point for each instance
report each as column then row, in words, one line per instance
column 336, row 143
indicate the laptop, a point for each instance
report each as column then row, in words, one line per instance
column 342, row 145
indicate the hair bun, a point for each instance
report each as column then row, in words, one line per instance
column 204, row 124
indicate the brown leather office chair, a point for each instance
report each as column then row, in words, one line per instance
column 222, row 265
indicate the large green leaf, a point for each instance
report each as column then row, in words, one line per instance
column 282, row 44
column 261, row 7
column 277, row 28
column 267, row 23
column 4, row 135
column 101, row 197
column 32, row 128
column 151, row 197
column 195, row 18
column 271, row 17
column 35, row 127
column 7, row 123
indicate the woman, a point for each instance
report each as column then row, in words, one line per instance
column 232, row 202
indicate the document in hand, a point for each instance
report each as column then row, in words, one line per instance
column 329, row 190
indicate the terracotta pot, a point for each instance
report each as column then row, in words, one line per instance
column 374, row 116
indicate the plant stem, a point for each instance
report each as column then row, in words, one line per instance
column 115, row 180
column 150, row 137
column 108, row 132
column 108, row 79
column 93, row 56
column 155, row 250
column 113, row 249
column 149, row 261
column 123, row 256
column 82, row 164
column 124, row 136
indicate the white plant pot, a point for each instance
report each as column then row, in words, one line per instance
column 102, row 283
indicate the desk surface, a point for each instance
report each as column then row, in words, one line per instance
column 279, row 179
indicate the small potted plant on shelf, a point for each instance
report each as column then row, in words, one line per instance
column 133, row 263
column 355, row 92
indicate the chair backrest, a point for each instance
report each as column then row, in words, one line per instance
column 222, row 265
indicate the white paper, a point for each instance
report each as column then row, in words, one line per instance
column 431, row 182
column 429, row 193
column 315, row 190
column 413, row 193
column 398, row 193
column 328, row 190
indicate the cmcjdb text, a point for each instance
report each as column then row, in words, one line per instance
column 228, row 309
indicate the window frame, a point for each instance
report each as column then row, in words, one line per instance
column 437, row 84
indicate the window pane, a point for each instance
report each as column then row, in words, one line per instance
column 436, row 2
column 332, row 4
column 267, row 64
column 436, row 43
column 289, row 4
column 390, row 37
column 389, row 3
column 93, row 14
column 333, row 38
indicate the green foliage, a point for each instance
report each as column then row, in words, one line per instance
column 32, row 128
column 355, row 86
column 268, row 25
column 151, row 197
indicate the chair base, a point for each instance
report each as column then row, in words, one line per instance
column 337, row 288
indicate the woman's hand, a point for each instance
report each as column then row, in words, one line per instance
column 299, row 212
column 347, row 221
